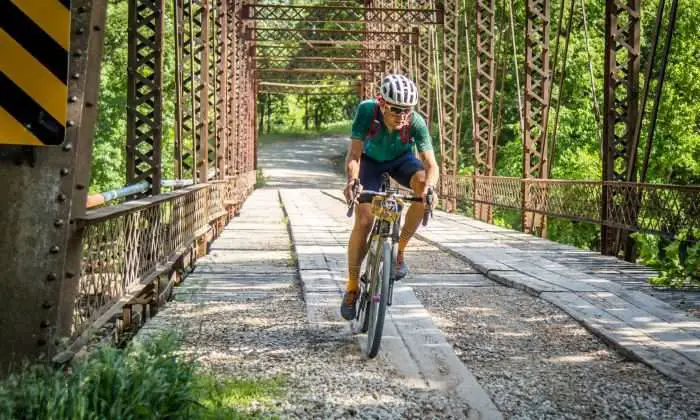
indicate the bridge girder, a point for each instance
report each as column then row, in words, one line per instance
column 330, row 14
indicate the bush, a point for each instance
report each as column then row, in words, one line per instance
column 142, row 381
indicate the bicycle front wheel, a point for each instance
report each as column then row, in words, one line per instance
column 379, row 295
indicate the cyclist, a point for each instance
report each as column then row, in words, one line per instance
column 384, row 133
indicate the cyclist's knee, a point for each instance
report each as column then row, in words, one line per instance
column 363, row 218
column 418, row 181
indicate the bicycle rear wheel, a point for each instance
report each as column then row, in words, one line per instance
column 379, row 295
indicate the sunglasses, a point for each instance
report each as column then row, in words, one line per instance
column 397, row 110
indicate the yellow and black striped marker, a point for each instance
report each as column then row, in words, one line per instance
column 34, row 38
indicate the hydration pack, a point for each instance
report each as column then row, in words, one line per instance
column 404, row 133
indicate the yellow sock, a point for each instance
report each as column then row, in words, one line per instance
column 353, row 283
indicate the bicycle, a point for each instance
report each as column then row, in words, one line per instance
column 377, row 281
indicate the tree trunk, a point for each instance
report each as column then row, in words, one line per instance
column 306, row 112
column 269, row 111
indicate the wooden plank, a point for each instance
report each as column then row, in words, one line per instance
column 528, row 284
column 668, row 335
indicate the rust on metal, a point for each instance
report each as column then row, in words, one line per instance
column 144, row 117
column 332, row 14
column 536, row 112
column 485, row 86
column 620, row 106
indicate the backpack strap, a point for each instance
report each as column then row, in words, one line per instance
column 374, row 127
column 405, row 132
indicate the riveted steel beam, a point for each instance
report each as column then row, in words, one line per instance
column 327, row 36
column 621, row 106
column 323, row 51
column 45, row 191
column 485, row 87
column 323, row 64
column 144, row 118
column 450, row 103
column 327, row 14
column 536, row 112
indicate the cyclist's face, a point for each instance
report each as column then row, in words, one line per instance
column 394, row 116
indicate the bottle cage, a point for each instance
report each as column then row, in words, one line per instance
column 405, row 131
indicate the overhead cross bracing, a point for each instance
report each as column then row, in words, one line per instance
column 291, row 51
column 318, row 62
column 334, row 14
column 327, row 36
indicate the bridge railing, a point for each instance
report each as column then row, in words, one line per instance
column 134, row 252
column 666, row 210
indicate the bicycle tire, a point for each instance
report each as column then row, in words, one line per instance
column 378, row 304
column 363, row 304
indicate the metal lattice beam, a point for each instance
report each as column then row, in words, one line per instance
column 327, row 36
column 332, row 14
column 485, row 86
column 144, row 95
column 275, row 51
column 621, row 103
column 357, row 64
column 231, row 41
column 200, row 67
column 537, row 86
column 223, row 91
column 450, row 102
column 212, row 99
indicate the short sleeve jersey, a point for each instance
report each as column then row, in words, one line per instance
column 385, row 146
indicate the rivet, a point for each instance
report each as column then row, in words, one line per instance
column 45, row 324
column 46, row 305
column 75, row 76
column 64, row 171
column 54, row 249
column 41, row 342
column 51, row 277
column 70, row 274
column 78, row 53
column 80, row 31
column 70, row 123
column 82, row 9
column 61, row 197
column 29, row 126
column 58, row 222
column 73, row 99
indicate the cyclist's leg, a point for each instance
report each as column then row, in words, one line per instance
column 410, row 173
column 370, row 178
column 357, row 246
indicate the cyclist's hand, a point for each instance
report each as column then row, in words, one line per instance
column 349, row 191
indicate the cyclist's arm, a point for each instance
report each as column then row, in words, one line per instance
column 432, row 173
column 352, row 159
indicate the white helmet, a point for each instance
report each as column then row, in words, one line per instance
column 399, row 90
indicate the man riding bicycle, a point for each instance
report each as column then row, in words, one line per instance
column 384, row 133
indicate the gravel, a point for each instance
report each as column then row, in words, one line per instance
column 325, row 372
column 537, row 362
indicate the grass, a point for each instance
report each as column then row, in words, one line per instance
column 279, row 135
column 142, row 381
column 260, row 179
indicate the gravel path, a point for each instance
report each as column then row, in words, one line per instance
column 537, row 362
column 325, row 375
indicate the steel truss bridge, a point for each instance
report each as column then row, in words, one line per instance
column 68, row 268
